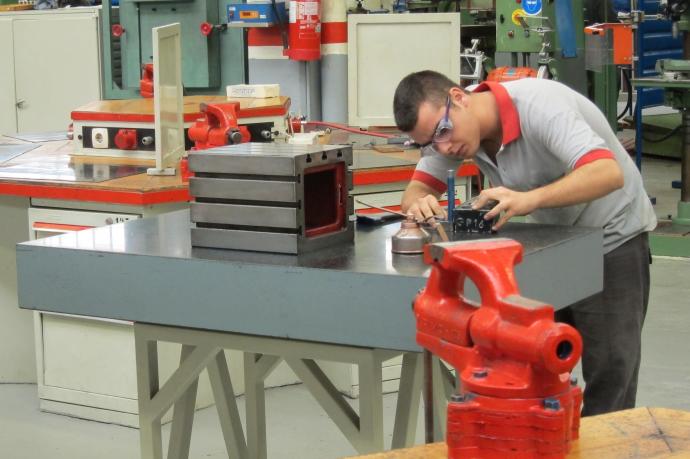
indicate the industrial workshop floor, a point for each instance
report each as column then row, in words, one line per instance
column 297, row 428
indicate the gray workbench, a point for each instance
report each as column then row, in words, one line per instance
column 350, row 303
column 147, row 271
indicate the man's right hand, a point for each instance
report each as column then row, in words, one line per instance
column 425, row 208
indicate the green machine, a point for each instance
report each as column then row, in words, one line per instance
column 213, row 55
column 544, row 34
column 674, row 78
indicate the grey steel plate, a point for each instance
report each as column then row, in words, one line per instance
column 251, row 190
column 245, row 240
column 266, row 158
column 352, row 294
column 245, row 215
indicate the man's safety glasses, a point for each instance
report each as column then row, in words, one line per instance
column 444, row 129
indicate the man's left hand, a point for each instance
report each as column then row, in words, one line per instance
column 510, row 202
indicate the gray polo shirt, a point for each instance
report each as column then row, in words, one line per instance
column 548, row 131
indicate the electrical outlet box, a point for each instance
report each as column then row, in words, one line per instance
column 99, row 138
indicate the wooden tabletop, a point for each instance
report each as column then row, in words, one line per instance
column 640, row 433
column 190, row 107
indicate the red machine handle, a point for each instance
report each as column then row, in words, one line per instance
column 117, row 30
column 206, row 28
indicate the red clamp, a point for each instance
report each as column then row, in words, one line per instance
column 513, row 361
column 146, row 82
column 218, row 127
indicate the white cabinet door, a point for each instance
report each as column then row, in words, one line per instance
column 8, row 114
column 56, row 69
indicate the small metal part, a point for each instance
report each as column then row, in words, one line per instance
column 482, row 373
column 410, row 239
column 552, row 404
column 147, row 140
column 457, row 398
column 465, row 219
column 234, row 137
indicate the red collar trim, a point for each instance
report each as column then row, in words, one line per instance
column 510, row 121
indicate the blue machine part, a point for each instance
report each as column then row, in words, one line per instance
column 653, row 41
column 257, row 14
column 566, row 28
column 532, row 7
column 621, row 6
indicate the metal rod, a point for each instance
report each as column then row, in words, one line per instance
column 451, row 193
column 381, row 208
column 428, row 398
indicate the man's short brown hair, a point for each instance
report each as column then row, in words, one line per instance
column 416, row 88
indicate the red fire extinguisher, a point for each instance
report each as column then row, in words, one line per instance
column 305, row 30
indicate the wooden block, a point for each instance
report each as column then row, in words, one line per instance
column 387, row 148
column 16, row 7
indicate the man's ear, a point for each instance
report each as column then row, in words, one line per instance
column 458, row 96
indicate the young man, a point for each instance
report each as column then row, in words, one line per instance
column 549, row 153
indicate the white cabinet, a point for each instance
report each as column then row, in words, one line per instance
column 51, row 65
column 85, row 366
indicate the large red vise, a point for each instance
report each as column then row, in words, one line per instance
column 218, row 127
column 515, row 397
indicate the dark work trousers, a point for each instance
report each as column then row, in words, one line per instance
column 611, row 327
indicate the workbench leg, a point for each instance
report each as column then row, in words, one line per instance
column 409, row 395
column 371, row 402
column 255, row 407
column 150, row 441
column 444, row 385
column 183, row 416
column 226, row 405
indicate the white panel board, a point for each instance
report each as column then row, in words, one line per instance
column 167, row 98
column 383, row 48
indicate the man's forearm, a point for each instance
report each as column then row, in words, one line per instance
column 584, row 184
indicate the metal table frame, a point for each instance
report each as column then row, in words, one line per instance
column 203, row 349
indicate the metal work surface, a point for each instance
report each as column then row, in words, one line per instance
column 147, row 271
column 72, row 172
column 10, row 151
